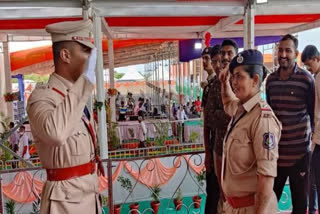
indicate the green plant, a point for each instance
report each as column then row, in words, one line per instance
column 162, row 129
column 194, row 136
column 6, row 155
column 4, row 122
column 155, row 192
column 112, row 134
column 201, row 177
column 179, row 195
column 126, row 184
column 104, row 200
column 10, row 205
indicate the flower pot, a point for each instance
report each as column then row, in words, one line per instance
column 177, row 204
column 116, row 209
column 134, row 207
column 197, row 201
column 155, row 206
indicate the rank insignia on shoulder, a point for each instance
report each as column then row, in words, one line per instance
column 268, row 141
column 42, row 85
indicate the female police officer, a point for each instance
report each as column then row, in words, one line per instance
column 251, row 143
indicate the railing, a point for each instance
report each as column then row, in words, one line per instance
column 144, row 162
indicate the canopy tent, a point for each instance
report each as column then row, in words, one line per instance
column 131, row 76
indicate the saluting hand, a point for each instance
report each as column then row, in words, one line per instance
column 224, row 75
column 89, row 71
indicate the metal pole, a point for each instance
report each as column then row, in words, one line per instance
column 110, row 189
column 249, row 26
column 103, row 141
column 163, row 91
column 7, row 72
column 85, row 16
column 179, row 76
column 169, row 64
column 111, row 77
column 1, row 196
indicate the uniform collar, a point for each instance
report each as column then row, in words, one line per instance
column 252, row 102
column 57, row 81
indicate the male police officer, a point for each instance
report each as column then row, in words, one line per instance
column 62, row 125
column 209, row 133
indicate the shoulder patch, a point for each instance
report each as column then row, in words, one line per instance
column 268, row 141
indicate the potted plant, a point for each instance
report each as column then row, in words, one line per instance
column 155, row 203
column 10, row 205
column 127, row 185
column 197, row 198
column 162, row 129
column 113, row 138
column 178, row 200
column 193, row 137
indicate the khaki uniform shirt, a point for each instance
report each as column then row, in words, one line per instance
column 63, row 140
column 250, row 147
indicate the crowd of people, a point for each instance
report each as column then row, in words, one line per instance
column 253, row 146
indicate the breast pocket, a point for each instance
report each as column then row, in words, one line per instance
column 79, row 143
column 241, row 155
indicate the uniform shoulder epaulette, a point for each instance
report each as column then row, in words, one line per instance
column 266, row 110
column 42, row 85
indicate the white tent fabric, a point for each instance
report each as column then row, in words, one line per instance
column 131, row 76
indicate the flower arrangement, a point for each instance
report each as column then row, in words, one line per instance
column 112, row 92
column 9, row 97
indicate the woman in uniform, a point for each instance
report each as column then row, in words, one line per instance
column 250, row 150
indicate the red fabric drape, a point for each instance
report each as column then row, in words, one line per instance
column 103, row 181
column 154, row 173
column 24, row 188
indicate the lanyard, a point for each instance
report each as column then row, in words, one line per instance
column 233, row 124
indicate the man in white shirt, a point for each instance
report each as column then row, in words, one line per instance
column 311, row 59
column 142, row 132
column 23, row 144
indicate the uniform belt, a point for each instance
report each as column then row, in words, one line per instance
column 240, row 202
column 62, row 174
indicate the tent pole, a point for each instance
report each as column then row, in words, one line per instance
column 111, row 74
column 249, row 26
column 163, row 91
column 7, row 72
column 85, row 16
column 103, row 141
column 169, row 64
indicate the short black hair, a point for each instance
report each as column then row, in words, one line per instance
column 56, row 48
column 230, row 42
column 260, row 70
column 11, row 124
column 309, row 52
column 291, row 37
column 215, row 50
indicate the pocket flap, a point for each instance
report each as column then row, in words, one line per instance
column 62, row 194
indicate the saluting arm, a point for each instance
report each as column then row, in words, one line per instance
column 229, row 99
column 55, row 123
